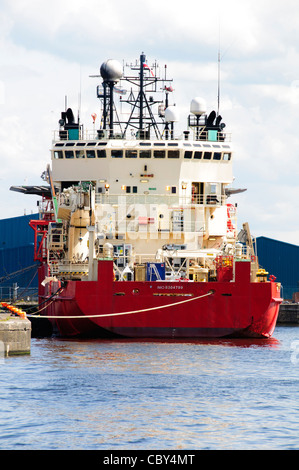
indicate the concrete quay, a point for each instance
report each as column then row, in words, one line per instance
column 288, row 314
column 15, row 335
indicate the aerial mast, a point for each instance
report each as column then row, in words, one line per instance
column 142, row 62
column 111, row 72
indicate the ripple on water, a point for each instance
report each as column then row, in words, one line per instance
column 151, row 395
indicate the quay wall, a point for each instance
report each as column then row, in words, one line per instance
column 288, row 314
column 15, row 335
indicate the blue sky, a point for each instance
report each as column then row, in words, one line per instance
column 49, row 49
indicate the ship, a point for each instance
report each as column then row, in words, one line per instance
column 136, row 236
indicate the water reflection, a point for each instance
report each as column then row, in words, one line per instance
column 232, row 342
column 132, row 356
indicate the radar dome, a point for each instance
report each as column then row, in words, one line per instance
column 111, row 70
column 198, row 106
column 171, row 114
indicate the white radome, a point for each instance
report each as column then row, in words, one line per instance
column 171, row 114
column 198, row 106
column 111, row 70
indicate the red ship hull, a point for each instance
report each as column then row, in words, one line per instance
column 159, row 309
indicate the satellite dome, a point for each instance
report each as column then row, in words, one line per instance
column 171, row 114
column 111, row 70
column 198, row 106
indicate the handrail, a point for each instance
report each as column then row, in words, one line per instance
column 172, row 200
column 95, row 135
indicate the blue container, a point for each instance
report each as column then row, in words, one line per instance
column 155, row 271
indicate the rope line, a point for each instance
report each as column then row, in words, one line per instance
column 120, row 313
column 43, row 302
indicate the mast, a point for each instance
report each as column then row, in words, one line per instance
column 111, row 73
column 105, row 106
column 142, row 61
column 143, row 81
column 111, row 86
column 218, row 91
column 141, row 117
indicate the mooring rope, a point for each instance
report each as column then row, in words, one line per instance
column 120, row 313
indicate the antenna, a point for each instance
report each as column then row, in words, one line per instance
column 79, row 95
column 219, row 60
column 218, row 97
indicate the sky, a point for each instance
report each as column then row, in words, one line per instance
column 48, row 50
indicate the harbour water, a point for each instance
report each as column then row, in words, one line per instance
column 121, row 395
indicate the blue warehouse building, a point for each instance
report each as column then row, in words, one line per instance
column 282, row 260
column 17, row 266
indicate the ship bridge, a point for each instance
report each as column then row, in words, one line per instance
column 195, row 171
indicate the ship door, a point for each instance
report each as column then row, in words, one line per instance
column 197, row 192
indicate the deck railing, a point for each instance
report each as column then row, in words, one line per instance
column 98, row 135
column 171, row 200
column 14, row 293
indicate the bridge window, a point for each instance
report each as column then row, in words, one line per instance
column 131, row 153
column 145, row 154
column 188, row 154
column 69, row 154
column 117, row 153
column 58, row 154
column 173, row 154
column 90, row 153
column 207, row 156
column 217, row 156
column 159, row 153
column 101, row 153
column 198, row 155
column 80, row 154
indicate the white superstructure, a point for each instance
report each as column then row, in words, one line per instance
column 135, row 184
